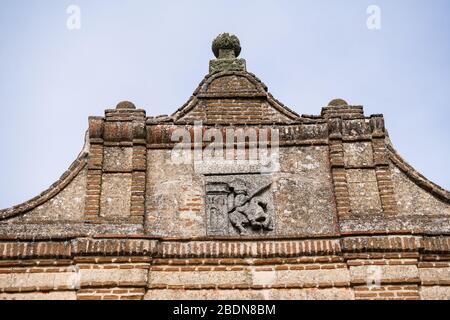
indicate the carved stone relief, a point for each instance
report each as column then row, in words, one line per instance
column 239, row 205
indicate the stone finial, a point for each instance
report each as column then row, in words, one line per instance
column 337, row 103
column 341, row 109
column 125, row 105
column 226, row 47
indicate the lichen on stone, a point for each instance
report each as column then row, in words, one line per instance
column 226, row 41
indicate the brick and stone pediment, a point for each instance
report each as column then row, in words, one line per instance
column 233, row 97
column 169, row 207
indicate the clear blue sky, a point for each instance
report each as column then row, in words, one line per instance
column 154, row 53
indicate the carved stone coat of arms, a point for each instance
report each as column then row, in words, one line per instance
column 239, row 205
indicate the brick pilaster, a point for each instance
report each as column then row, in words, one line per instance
column 386, row 189
column 94, row 174
column 382, row 168
column 138, row 180
column 93, row 192
column 337, row 168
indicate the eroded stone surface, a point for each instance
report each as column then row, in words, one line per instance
column 116, row 191
column 303, row 193
column 175, row 197
column 118, row 159
column 363, row 190
column 358, row 154
column 412, row 199
column 68, row 205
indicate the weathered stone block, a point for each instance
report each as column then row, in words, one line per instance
column 322, row 276
column 126, row 277
column 200, row 277
column 51, row 296
column 363, row 191
column 284, row 294
column 118, row 159
column 435, row 275
column 358, row 154
column 115, row 197
column 42, row 280
column 303, row 192
column 435, row 293
column 384, row 274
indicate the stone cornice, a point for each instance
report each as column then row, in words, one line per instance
column 226, row 248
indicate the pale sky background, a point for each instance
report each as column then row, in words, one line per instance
column 155, row 53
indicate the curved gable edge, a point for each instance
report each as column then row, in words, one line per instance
column 415, row 176
column 291, row 114
column 260, row 90
column 74, row 170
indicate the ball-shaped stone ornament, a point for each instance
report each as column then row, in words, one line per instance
column 337, row 103
column 125, row 105
column 226, row 41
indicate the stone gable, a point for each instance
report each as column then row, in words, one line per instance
column 233, row 97
column 185, row 207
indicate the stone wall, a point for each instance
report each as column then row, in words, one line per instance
column 302, row 195
column 391, row 267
